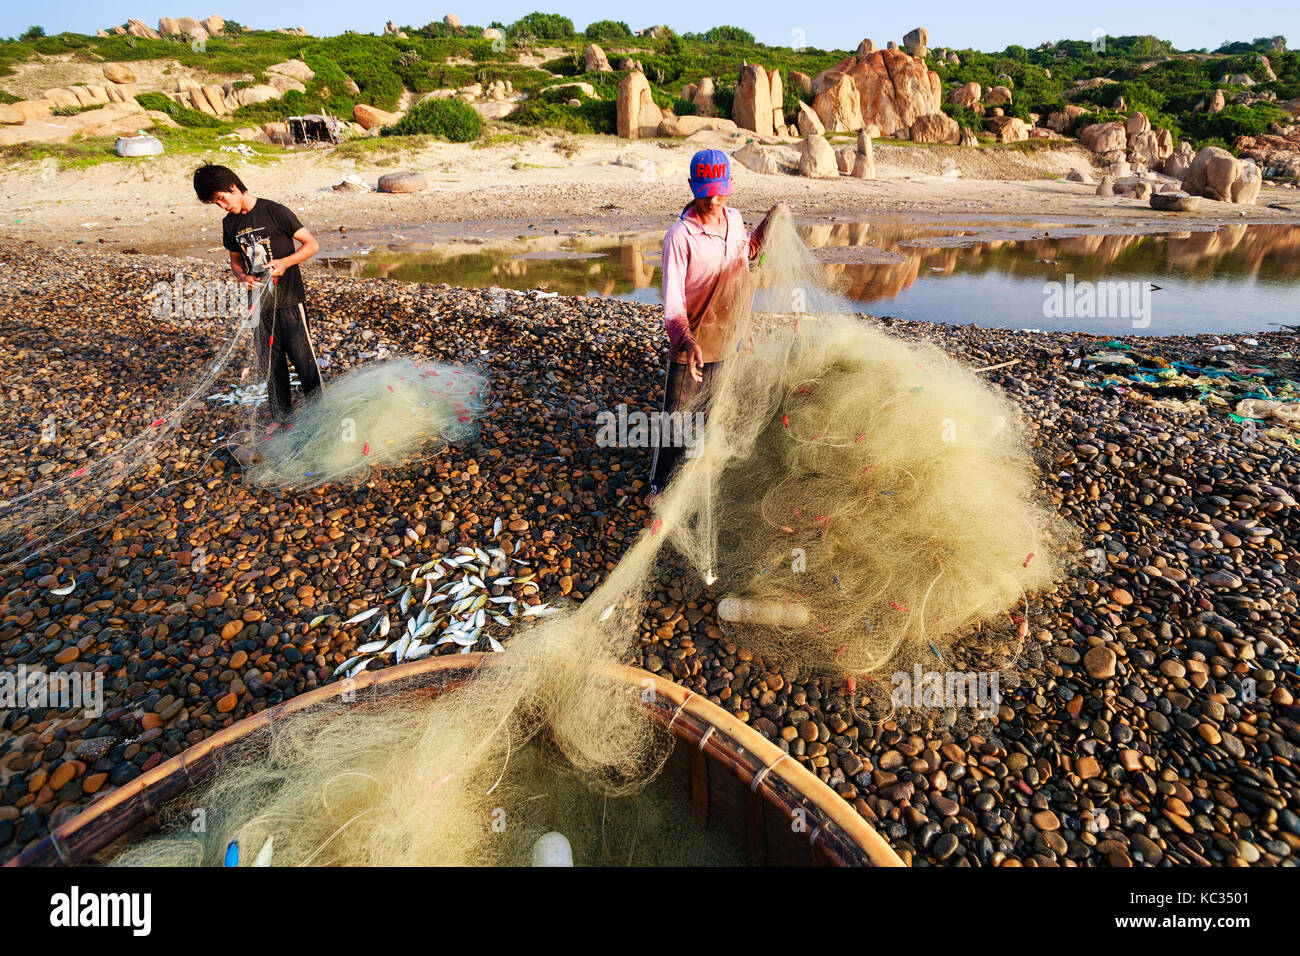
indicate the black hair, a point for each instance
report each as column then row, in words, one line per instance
column 210, row 179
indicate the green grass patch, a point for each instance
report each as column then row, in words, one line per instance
column 74, row 110
column 501, row 139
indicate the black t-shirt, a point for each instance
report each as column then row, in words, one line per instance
column 263, row 234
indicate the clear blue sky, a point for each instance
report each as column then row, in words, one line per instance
column 1189, row 24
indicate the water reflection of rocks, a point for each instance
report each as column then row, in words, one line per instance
column 908, row 252
column 868, row 261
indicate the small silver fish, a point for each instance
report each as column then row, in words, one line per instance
column 363, row 616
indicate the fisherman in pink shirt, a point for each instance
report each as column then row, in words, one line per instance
column 707, row 241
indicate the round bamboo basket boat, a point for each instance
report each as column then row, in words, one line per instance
column 736, row 781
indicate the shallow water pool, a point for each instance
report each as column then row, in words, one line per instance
column 1102, row 278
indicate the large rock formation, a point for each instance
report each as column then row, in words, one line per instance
column 1007, row 129
column 752, row 107
column 638, row 116
column 1103, row 137
column 935, row 128
column 917, row 42
column 839, row 104
column 892, row 91
column 967, row 95
column 1216, row 174
column 595, row 61
column 997, row 95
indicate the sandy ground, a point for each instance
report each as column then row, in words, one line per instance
column 556, row 184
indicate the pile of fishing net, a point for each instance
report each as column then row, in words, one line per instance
column 863, row 502
column 381, row 413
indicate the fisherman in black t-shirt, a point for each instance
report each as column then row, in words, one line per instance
column 261, row 236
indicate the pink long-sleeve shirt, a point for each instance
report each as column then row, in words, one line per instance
column 694, row 255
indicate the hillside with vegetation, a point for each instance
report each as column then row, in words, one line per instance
column 540, row 50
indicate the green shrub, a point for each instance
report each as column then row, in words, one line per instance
column 32, row 33
column 181, row 114
column 550, row 108
column 684, row 107
column 570, row 65
column 724, row 35
column 964, row 115
column 543, row 26
column 608, row 30
column 724, row 97
column 1233, row 121
column 453, row 119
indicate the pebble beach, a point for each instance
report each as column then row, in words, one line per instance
column 1151, row 719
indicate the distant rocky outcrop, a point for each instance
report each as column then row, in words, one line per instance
column 138, row 28
column 917, row 42
column 1278, row 154
column 887, row 88
column 967, row 95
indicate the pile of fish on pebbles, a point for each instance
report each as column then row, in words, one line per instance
column 1151, row 719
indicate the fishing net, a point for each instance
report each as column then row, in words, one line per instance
column 378, row 414
column 382, row 412
column 863, row 503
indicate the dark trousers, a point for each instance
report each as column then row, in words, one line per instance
column 680, row 390
column 282, row 337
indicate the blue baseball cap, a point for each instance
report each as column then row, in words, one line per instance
column 710, row 173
